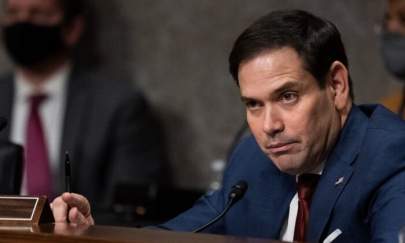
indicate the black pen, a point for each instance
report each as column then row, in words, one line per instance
column 67, row 173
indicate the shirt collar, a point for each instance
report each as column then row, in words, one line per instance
column 317, row 171
column 53, row 86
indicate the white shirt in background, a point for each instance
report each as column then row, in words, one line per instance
column 51, row 111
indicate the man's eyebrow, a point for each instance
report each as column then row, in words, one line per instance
column 293, row 84
column 288, row 85
column 245, row 99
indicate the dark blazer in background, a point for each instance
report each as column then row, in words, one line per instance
column 11, row 164
column 110, row 133
column 361, row 191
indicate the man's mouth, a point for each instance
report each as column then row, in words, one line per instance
column 276, row 148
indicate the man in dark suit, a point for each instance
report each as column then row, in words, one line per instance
column 105, row 124
column 318, row 167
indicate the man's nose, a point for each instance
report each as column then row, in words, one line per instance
column 272, row 121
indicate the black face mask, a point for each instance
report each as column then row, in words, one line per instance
column 393, row 53
column 30, row 44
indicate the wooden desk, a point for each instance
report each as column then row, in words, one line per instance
column 64, row 233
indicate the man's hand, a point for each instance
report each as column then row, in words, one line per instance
column 73, row 208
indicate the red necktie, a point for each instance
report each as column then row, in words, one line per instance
column 36, row 154
column 305, row 187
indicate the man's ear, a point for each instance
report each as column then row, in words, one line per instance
column 73, row 31
column 338, row 84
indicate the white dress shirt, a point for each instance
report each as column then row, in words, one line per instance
column 51, row 111
column 287, row 232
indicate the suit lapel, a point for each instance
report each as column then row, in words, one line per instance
column 275, row 190
column 6, row 103
column 74, row 120
column 281, row 194
column 282, row 207
column 329, row 189
column 337, row 173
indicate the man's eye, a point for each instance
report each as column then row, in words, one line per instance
column 252, row 104
column 10, row 13
column 289, row 97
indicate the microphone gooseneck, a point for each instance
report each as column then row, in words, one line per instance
column 236, row 193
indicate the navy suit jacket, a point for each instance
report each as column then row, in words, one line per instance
column 367, row 206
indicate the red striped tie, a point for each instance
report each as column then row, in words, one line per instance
column 36, row 154
column 305, row 187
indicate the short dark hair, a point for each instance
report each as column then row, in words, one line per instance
column 72, row 9
column 317, row 41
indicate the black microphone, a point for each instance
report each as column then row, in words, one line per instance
column 3, row 123
column 236, row 193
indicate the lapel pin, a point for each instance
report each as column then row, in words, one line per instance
column 339, row 181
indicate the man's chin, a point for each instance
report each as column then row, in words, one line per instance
column 290, row 171
column 286, row 167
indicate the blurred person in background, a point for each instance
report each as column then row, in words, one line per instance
column 393, row 51
column 54, row 106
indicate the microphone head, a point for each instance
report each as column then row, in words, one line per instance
column 236, row 193
column 238, row 190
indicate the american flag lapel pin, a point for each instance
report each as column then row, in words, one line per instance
column 339, row 181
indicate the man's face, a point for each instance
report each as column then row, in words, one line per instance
column 395, row 17
column 42, row 12
column 294, row 121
